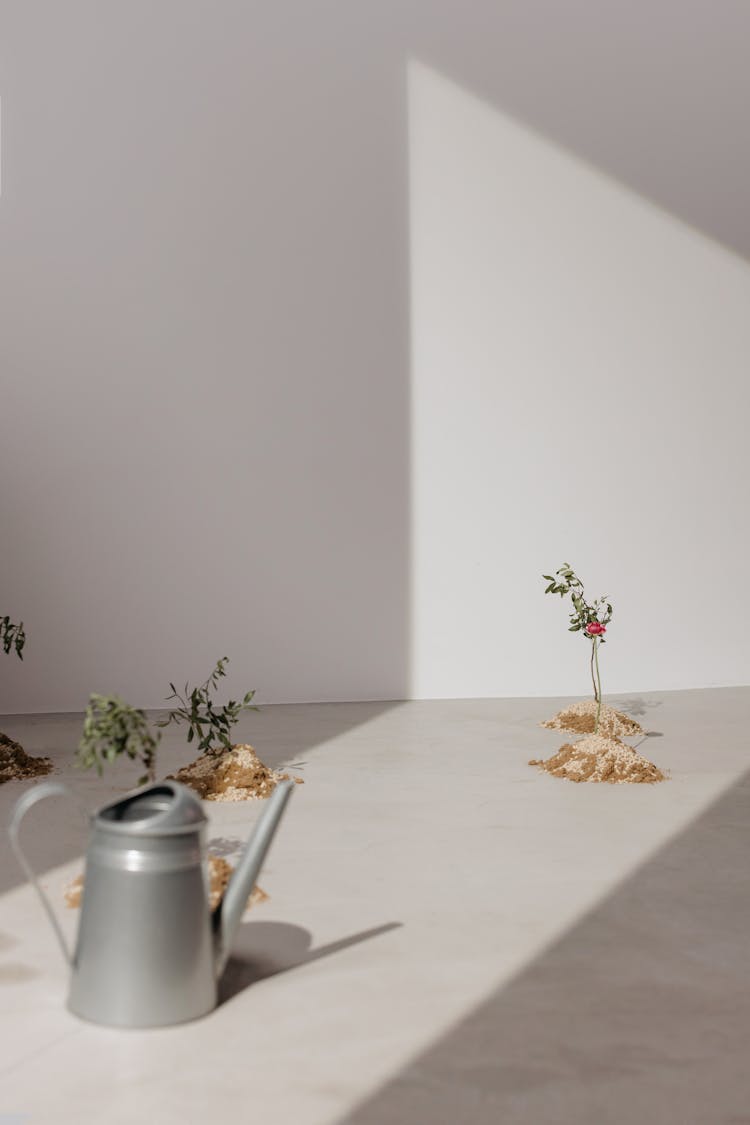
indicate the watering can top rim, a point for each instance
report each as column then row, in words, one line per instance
column 163, row 808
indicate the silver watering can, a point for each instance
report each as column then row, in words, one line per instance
column 149, row 950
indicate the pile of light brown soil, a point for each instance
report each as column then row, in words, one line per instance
column 219, row 874
column 74, row 893
column 16, row 764
column 232, row 775
column 597, row 758
column 581, row 718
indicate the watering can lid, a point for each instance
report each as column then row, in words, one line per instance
column 166, row 808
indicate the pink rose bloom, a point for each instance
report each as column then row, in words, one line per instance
column 595, row 629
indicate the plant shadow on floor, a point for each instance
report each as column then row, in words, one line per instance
column 225, row 846
column 263, row 949
column 637, row 707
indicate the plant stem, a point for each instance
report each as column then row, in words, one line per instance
column 593, row 679
column 598, row 685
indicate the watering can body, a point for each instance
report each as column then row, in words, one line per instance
column 149, row 951
column 144, row 953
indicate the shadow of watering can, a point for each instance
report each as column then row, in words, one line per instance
column 149, row 950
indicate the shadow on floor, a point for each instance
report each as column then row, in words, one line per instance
column 263, row 949
column 282, row 734
column 636, row 706
column 640, row 1013
column 54, row 832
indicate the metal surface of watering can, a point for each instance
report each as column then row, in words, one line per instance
column 149, row 950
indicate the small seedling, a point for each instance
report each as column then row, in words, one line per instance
column 112, row 727
column 589, row 619
column 209, row 724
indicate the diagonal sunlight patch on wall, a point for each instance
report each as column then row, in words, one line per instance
column 579, row 393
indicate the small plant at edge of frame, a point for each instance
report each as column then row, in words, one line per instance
column 209, row 724
column 12, row 636
column 112, row 727
column 590, row 619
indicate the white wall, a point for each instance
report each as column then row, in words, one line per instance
column 204, row 351
column 204, row 340
column 579, row 395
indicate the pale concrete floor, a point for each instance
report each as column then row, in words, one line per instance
column 451, row 937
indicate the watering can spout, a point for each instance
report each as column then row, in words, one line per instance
column 228, row 913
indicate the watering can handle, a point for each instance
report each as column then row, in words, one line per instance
column 22, row 806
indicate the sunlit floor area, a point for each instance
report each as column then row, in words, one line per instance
column 450, row 936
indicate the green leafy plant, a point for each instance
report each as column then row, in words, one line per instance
column 209, row 724
column 112, row 727
column 12, row 636
column 589, row 619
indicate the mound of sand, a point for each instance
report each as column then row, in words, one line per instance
column 219, row 874
column 232, row 775
column 597, row 758
column 16, row 764
column 581, row 718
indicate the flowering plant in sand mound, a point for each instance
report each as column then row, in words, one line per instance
column 590, row 619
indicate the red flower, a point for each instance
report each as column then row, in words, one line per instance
column 595, row 629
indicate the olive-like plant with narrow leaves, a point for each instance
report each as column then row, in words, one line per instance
column 112, row 727
column 210, row 725
column 589, row 619
column 12, row 638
